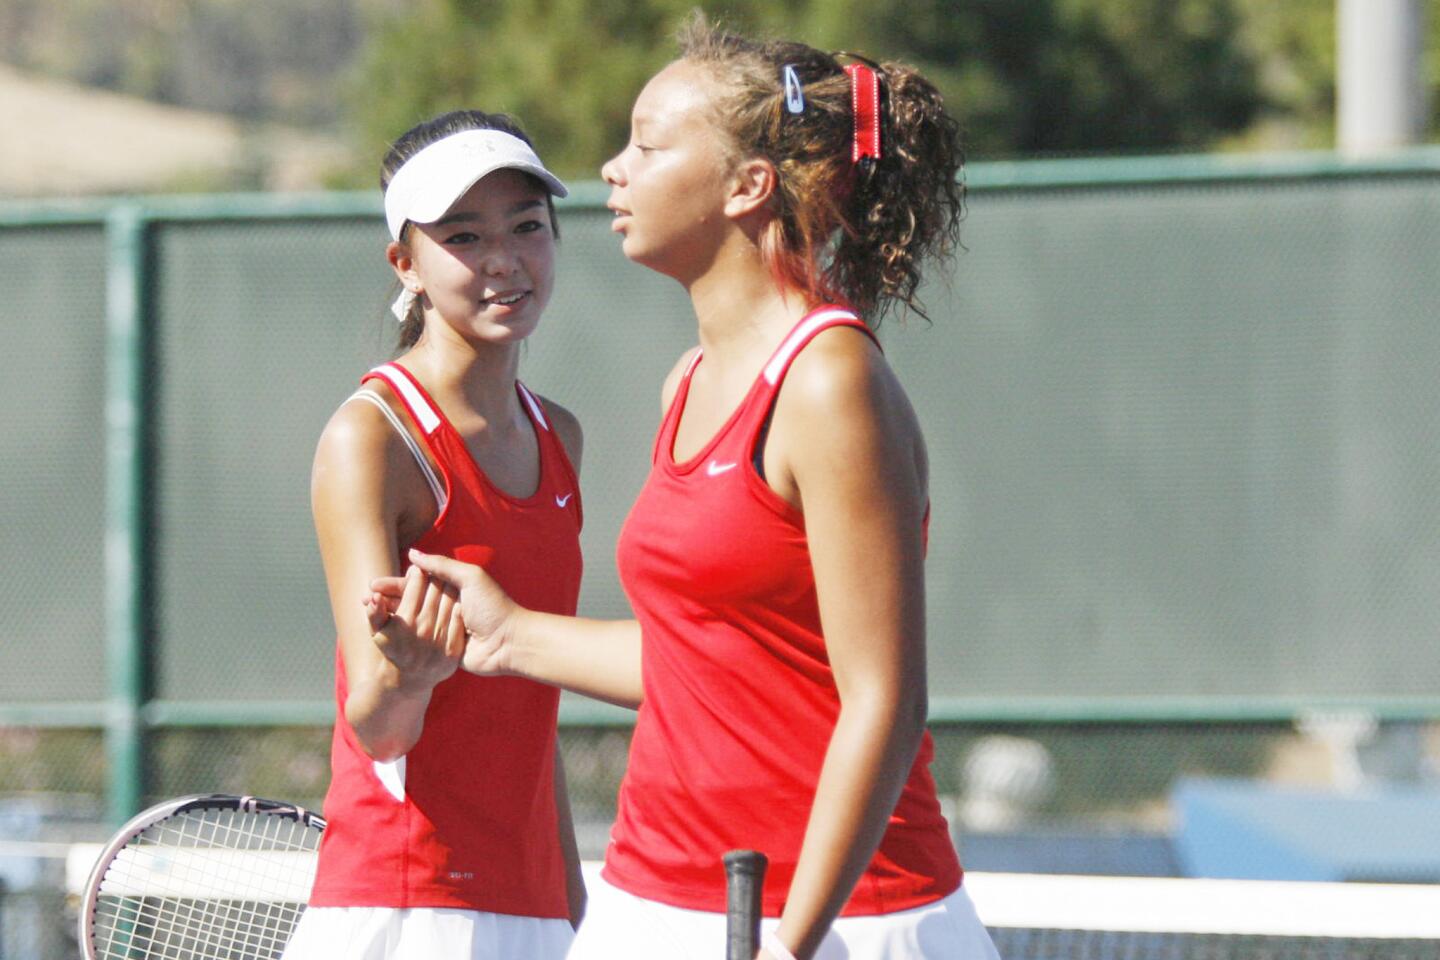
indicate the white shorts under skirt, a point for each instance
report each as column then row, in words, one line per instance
column 620, row 924
column 425, row 933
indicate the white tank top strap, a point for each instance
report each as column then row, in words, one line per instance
column 694, row 362
column 775, row 369
column 536, row 409
column 436, row 487
column 401, row 383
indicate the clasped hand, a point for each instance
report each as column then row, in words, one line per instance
column 440, row 615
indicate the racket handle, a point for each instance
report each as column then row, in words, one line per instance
column 744, row 882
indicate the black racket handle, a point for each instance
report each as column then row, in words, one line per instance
column 744, row 882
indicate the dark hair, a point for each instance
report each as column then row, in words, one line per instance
column 419, row 137
column 858, row 234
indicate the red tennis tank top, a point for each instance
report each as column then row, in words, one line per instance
column 467, row 818
column 740, row 703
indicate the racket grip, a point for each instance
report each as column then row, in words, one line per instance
column 744, row 882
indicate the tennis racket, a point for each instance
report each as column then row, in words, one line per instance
column 744, row 882
column 206, row 876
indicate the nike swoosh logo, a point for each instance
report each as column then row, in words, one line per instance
column 715, row 469
column 561, row 501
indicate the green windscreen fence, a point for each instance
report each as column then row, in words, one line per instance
column 1183, row 437
column 1186, row 441
column 263, row 330
column 52, row 463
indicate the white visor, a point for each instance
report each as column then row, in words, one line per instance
column 429, row 183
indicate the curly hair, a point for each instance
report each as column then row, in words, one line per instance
column 860, row 234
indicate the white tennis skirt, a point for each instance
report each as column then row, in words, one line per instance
column 425, row 933
column 620, row 924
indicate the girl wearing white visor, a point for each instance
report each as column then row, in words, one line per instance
column 449, row 833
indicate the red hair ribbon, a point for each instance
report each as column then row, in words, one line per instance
column 865, row 104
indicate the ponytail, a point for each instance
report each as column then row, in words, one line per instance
column 857, row 231
column 905, row 210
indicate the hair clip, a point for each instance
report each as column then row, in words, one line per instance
column 865, row 105
column 794, row 93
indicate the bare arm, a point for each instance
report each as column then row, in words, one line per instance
column 594, row 658
column 357, row 499
column 849, row 452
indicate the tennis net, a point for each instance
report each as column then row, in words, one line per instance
column 1036, row 917
column 1048, row 917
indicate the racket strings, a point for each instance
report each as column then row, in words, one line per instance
column 213, row 883
column 172, row 928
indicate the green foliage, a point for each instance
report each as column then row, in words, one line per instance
column 1066, row 76
column 1026, row 77
column 1294, row 45
column 1431, row 63
column 567, row 68
column 1043, row 76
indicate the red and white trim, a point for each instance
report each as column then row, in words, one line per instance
column 436, row 487
column 534, row 404
column 421, row 410
column 865, row 107
column 799, row 336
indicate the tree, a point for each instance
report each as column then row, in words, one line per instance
column 1026, row 77
column 1043, row 76
column 568, row 69
column 1294, row 45
column 1070, row 76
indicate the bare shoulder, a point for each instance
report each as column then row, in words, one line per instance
column 356, row 436
column 365, row 472
column 842, row 403
column 348, row 477
column 672, row 379
column 842, row 372
column 567, row 428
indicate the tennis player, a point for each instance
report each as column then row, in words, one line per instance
column 448, row 829
column 774, row 557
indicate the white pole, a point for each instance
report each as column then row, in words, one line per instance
column 1381, row 89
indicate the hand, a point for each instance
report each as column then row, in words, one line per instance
column 423, row 635
column 381, row 601
column 487, row 611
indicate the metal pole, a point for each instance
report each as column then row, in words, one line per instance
column 125, row 558
column 1381, row 84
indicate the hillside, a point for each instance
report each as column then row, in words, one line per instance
column 66, row 139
